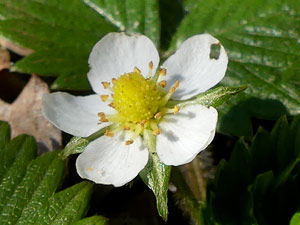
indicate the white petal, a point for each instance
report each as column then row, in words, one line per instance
column 107, row 160
column 192, row 66
column 116, row 54
column 75, row 115
column 184, row 135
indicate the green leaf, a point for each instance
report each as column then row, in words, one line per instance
column 295, row 219
column 61, row 33
column 132, row 16
column 28, row 185
column 93, row 220
column 261, row 39
column 258, row 179
column 156, row 175
column 61, row 207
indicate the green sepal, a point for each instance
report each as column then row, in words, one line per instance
column 156, row 175
column 213, row 97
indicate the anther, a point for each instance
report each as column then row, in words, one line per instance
column 104, row 98
column 126, row 128
column 176, row 109
column 156, row 132
column 114, row 81
column 108, row 133
column 175, row 86
column 150, row 69
column 157, row 115
column 163, row 83
column 162, row 71
column 103, row 119
column 105, row 84
column 129, row 142
column 151, row 65
column 136, row 70
column 101, row 114
column 143, row 122
column 111, row 105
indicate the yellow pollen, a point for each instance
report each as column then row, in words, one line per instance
column 176, row 109
column 136, row 98
column 162, row 71
column 156, row 132
column 89, row 169
column 108, row 133
column 129, row 142
column 105, row 84
column 104, row 98
column 163, row 83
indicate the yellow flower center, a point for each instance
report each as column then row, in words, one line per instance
column 136, row 98
column 139, row 102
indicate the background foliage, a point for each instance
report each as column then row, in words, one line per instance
column 259, row 182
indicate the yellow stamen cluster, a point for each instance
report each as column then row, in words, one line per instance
column 139, row 102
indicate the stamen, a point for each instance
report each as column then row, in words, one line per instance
column 136, row 70
column 176, row 109
column 111, row 105
column 150, row 69
column 114, row 81
column 166, row 98
column 162, row 71
column 158, row 115
column 129, row 142
column 105, row 84
column 126, row 127
column 143, row 122
column 103, row 119
column 104, row 98
column 101, row 114
column 175, row 86
column 108, row 133
column 156, row 132
column 163, row 83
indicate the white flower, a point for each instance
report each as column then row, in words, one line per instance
column 131, row 97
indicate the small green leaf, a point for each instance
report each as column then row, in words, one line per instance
column 262, row 42
column 295, row 219
column 76, row 145
column 156, row 175
column 132, row 16
column 93, row 220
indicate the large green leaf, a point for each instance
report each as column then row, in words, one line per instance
column 132, row 16
column 261, row 38
column 61, row 33
column 28, row 185
column 156, row 175
column 259, row 179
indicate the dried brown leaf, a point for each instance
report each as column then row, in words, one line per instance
column 25, row 115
